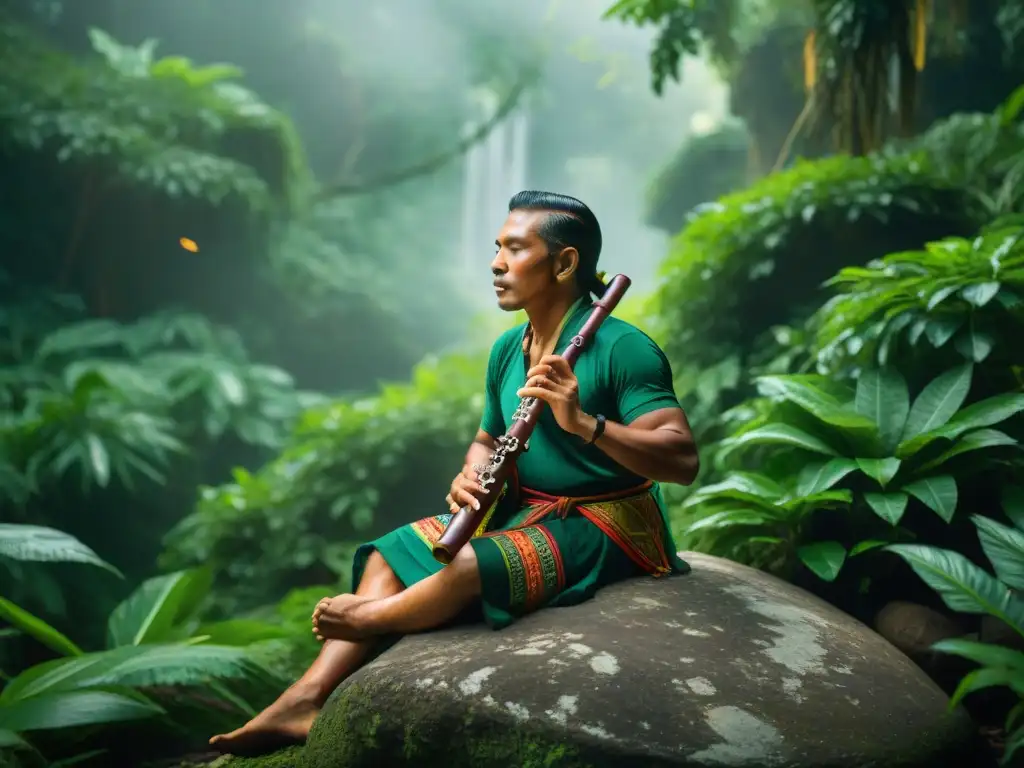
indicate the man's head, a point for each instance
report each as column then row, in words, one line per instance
column 548, row 247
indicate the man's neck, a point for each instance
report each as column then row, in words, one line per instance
column 546, row 320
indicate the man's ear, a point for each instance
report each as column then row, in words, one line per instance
column 566, row 263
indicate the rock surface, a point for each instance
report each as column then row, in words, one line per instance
column 725, row 666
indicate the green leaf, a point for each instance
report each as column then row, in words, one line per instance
column 963, row 586
column 231, row 386
column 985, row 654
column 880, row 470
column 240, row 632
column 150, row 613
column 1011, row 108
column 1014, row 741
column 99, row 459
column 11, row 740
column 972, row 441
column 1013, row 504
column 135, row 666
column 1004, row 547
column 980, row 294
column 803, row 392
column 882, row 396
column 37, row 628
column 777, row 434
column 938, row 493
column 728, row 518
column 939, row 330
column 81, row 336
column 749, row 484
column 888, row 506
column 985, row 413
column 974, row 345
column 979, row 679
column 820, row 500
column 38, row 544
column 940, row 296
column 824, row 558
column 68, row 709
column 866, row 546
column 938, row 401
column 821, row 476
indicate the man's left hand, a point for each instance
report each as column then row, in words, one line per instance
column 553, row 381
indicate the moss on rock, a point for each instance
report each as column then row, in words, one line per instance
column 354, row 732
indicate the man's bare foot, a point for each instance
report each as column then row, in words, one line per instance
column 286, row 721
column 342, row 619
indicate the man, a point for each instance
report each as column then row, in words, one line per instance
column 584, row 509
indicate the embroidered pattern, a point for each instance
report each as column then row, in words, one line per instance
column 534, row 564
column 634, row 524
column 429, row 529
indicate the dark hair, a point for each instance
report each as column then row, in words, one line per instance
column 569, row 224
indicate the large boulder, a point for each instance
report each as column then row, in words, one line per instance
column 725, row 666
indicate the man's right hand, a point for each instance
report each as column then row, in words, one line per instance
column 463, row 490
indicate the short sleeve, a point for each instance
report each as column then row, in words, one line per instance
column 641, row 376
column 492, row 422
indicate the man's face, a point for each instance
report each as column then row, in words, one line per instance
column 523, row 268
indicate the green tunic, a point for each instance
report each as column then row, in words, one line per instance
column 576, row 520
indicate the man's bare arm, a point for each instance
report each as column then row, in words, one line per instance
column 658, row 445
column 480, row 449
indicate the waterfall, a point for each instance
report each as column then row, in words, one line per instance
column 493, row 170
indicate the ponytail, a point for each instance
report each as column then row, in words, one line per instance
column 596, row 284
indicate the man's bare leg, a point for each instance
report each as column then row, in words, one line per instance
column 425, row 605
column 289, row 719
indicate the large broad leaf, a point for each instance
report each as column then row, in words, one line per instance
column 824, row 558
column 985, row 413
column 137, row 667
column 240, row 632
column 938, row 402
column 888, row 506
column 803, row 391
column 150, row 613
column 880, row 470
column 777, row 434
column 972, row 441
column 729, row 518
column 938, row 493
column 1004, row 548
column 74, row 708
column 749, row 484
column 821, row 476
column 962, row 585
column 37, row 628
column 36, row 543
column 882, row 396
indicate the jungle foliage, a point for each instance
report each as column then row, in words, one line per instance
column 162, row 201
column 880, row 415
column 160, row 665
